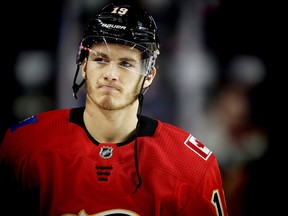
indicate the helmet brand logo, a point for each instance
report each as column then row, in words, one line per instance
column 113, row 26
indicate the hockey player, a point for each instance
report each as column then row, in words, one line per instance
column 106, row 158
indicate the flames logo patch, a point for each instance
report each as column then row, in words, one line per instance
column 112, row 212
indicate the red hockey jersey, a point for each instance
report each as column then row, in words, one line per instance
column 50, row 165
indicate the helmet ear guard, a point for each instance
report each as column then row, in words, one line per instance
column 150, row 65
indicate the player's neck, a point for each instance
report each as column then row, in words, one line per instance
column 110, row 126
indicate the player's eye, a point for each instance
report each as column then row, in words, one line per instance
column 100, row 60
column 126, row 64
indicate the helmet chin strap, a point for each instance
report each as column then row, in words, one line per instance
column 76, row 86
column 136, row 157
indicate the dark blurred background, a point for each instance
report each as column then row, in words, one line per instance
column 220, row 76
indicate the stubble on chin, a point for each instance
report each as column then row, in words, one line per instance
column 107, row 103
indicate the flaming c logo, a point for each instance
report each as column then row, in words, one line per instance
column 112, row 212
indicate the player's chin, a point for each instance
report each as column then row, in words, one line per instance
column 107, row 102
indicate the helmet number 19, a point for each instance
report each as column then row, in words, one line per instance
column 120, row 11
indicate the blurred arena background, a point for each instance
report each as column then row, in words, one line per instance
column 215, row 72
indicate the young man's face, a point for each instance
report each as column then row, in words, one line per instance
column 113, row 74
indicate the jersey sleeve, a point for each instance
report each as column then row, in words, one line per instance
column 213, row 190
column 210, row 200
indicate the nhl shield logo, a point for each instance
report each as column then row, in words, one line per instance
column 106, row 152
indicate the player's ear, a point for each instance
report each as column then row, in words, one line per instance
column 150, row 77
column 84, row 65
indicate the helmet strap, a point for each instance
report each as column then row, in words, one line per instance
column 136, row 157
column 76, row 86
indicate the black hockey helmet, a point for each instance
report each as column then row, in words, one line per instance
column 122, row 23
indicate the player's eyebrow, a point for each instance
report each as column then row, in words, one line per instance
column 97, row 53
column 133, row 60
column 128, row 59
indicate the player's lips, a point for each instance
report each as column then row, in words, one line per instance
column 109, row 88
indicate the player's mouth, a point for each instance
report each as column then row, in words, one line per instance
column 109, row 88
